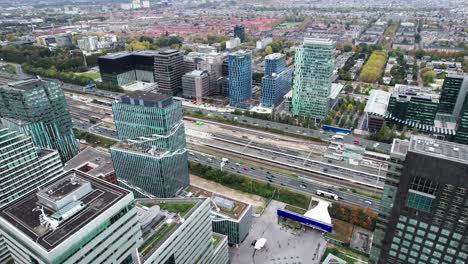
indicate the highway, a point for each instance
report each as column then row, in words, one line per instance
column 301, row 184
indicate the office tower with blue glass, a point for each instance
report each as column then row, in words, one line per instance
column 314, row 64
column 39, row 109
column 23, row 168
column 240, row 78
column 423, row 215
column 151, row 159
column 277, row 80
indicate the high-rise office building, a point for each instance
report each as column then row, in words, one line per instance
column 151, row 160
column 462, row 129
column 239, row 32
column 74, row 219
column 196, row 84
column 423, row 216
column 179, row 231
column 314, row 64
column 23, row 168
column 453, row 93
column 168, row 71
column 277, row 80
column 240, row 78
column 39, row 109
column 125, row 67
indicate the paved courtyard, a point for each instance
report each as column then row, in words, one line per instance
column 282, row 246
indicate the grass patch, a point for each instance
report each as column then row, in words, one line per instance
column 154, row 240
column 183, row 208
column 93, row 140
column 366, row 194
column 295, row 209
column 346, row 254
column 91, row 75
column 248, row 185
column 215, row 239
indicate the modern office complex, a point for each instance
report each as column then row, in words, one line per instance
column 453, row 93
column 207, row 60
column 240, row 78
column 125, row 67
column 196, row 84
column 168, row 71
column 277, row 80
column 39, row 109
column 413, row 104
column 165, row 67
column 239, row 32
column 376, row 109
column 151, row 160
column 423, row 216
column 73, row 219
column 178, row 230
column 231, row 218
column 23, row 168
column 314, row 64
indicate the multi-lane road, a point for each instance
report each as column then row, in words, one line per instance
column 301, row 184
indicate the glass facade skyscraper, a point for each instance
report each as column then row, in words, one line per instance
column 151, row 160
column 239, row 32
column 277, row 80
column 314, row 64
column 39, row 108
column 23, row 168
column 423, row 216
column 240, row 77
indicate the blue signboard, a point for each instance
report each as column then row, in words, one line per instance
column 304, row 220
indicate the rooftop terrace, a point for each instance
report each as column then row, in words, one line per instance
column 173, row 210
column 24, row 213
column 227, row 207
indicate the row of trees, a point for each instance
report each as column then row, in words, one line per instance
column 373, row 68
column 386, row 135
column 69, row 77
column 248, row 185
column 149, row 43
column 302, row 121
column 363, row 217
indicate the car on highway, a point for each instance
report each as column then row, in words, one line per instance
column 368, row 202
column 245, row 168
column 325, row 170
column 356, row 141
column 303, row 186
column 268, row 172
column 270, row 180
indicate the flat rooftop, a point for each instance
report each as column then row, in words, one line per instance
column 235, row 212
column 23, row 213
column 274, row 56
column 92, row 161
column 27, row 84
column 134, row 146
column 146, row 98
column 378, row 102
column 438, row 148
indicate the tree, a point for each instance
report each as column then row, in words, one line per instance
column 428, row 77
column 268, row 50
column 349, row 107
column 348, row 47
column 403, row 133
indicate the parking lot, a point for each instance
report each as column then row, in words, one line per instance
column 283, row 246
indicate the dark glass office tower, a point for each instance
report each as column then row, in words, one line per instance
column 239, row 32
column 453, row 93
column 424, row 210
column 168, row 71
column 151, row 160
column 39, row 109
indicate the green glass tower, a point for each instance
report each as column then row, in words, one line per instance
column 23, row 168
column 314, row 64
column 453, row 93
column 39, row 109
column 151, row 160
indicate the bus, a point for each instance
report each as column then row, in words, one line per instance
column 337, row 130
column 338, row 137
column 327, row 195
